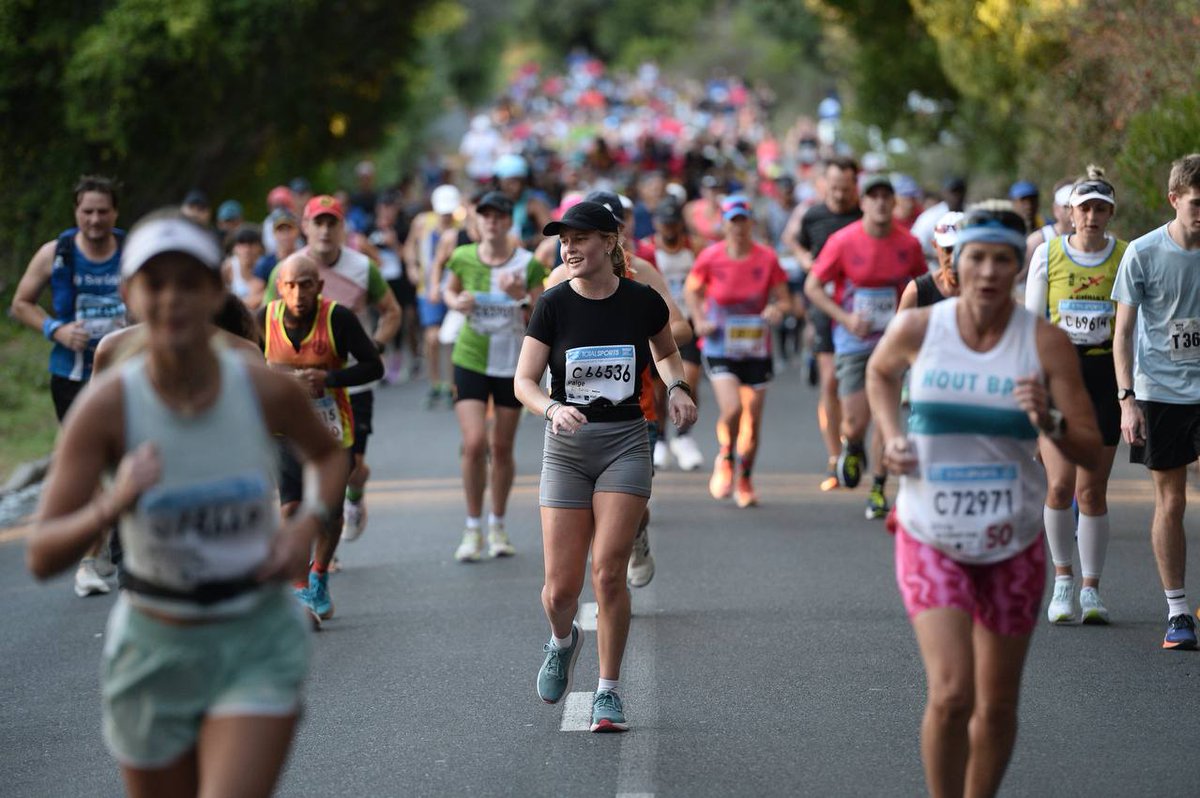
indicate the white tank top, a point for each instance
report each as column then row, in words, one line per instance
column 978, row 492
column 675, row 268
column 211, row 517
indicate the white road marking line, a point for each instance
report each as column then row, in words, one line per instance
column 588, row 614
column 639, row 746
column 635, row 795
column 577, row 712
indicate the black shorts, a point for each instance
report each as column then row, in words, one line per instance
column 473, row 385
column 822, row 327
column 756, row 373
column 291, row 477
column 63, row 391
column 690, row 352
column 1172, row 436
column 406, row 294
column 363, row 406
column 1100, row 379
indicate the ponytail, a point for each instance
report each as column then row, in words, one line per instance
column 620, row 259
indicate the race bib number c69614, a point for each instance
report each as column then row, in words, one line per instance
column 877, row 305
column 1183, row 338
column 600, row 372
column 972, row 506
column 745, row 337
column 1088, row 322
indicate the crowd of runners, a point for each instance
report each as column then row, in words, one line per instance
column 629, row 238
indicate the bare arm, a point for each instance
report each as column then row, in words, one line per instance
column 645, row 273
column 681, row 405
column 412, row 264
column 693, row 295
column 1133, row 423
column 455, row 297
column 814, row 289
column 893, row 356
column 445, row 248
column 1080, row 443
column 25, row 307
column 389, row 318
column 908, row 299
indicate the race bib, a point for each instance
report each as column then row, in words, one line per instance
column 330, row 415
column 877, row 305
column 493, row 313
column 99, row 314
column 972, row 506
column 1087, row 322
column 745, row 337
column 1183, row 338
column 600, row 372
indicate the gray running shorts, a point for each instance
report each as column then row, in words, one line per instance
column 602, row 456
column 851, row 372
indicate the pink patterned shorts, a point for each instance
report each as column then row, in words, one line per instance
column 1005, row 596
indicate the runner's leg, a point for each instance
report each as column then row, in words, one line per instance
column 180, row 779
column 504, row 432
column 472, row 421
column 999, row 660
column 616, row 519
column 242, row 756
column 566, row 538
column 944, row 638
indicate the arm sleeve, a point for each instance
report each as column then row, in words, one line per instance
column 353, row 340
column 541, row 321
column 1037, row 287
column 1128, row 287
column 377, row 287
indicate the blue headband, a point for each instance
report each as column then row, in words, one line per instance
column 993, row 232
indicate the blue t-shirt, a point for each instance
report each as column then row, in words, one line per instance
column 1162, row 280
column 93, row 297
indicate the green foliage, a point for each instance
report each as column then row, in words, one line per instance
column 1156, row 137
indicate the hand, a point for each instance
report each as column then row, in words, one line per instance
column 1031, row 397
column 138, row 470
column 772, row 314
column 857, row 325
column 313, row 380
column 898, row 456
column 434, row 295
column 465, row 303
column 512, row 284
column 291, row 548
column 1133, row 423
column 682, row 409
column 565, row 420
column 73, row 336
column 704, row 327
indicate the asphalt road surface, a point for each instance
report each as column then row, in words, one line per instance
column 770, row 655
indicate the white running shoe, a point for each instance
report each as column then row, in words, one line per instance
column 354, row 519
column 641, row 562
column 1093, row 609
column 87, row 581
column 471, row 548
column 498, row 542
column 686, row 453
column 662, row 455
column 1062, row 603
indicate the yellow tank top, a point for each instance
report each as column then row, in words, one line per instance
column 1080, row 297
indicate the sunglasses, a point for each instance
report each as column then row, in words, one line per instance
column 1094, row 187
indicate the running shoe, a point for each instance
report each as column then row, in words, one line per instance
column 607, row 713
column 721, row 482
column 851, row 464
column 743, row 492
column 354, row 519
column 87, row 581
column 498, row 542
column 1181, row 633
column 318, row 595
column 641, row 563
column 877, row 504
column 471, row 548
column 662, row 455
column 1091, row 607
column 830, row 482
column 687, row 453
column 433, row 397
column 1062, row 602
column 305, row 598
column 558, row 669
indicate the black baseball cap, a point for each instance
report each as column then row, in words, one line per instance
column 497, row 201
column 610, row 200
column 584, row 215
column 668, row 212
column 196, row 197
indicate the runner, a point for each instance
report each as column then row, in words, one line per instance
column 933, row 287
column 388, row 232
column 313, row 338
column 840, row 208
column 493, row 284
column 531, row 210
column 203, row 649
column 1025, row 199
column 420, row 256
column 351, row 279
column 970, row 562
column 286, row 235
column 1071, row 283
column 82, row 267
column 954, row 196
column 736, row 294
column 703, row 214
column 1158, row 292
column 603, row 328
column 868, row 264
column 1060, row 226
column 238, row 269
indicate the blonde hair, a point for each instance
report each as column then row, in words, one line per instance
column 620, row 258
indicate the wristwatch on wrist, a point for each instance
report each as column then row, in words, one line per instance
column 1125, row 393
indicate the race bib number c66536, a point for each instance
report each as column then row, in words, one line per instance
column 1183, row 338
column 972, row 506
column 600, row 372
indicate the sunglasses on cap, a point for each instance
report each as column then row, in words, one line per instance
column 1000, row 220
column 1095, row 187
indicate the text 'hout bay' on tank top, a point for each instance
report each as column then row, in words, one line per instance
column 977, row 494
column 208, row 522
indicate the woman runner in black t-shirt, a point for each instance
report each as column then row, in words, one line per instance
column 596, row 333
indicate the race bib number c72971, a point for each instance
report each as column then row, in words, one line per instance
column 493, row 313
column 972, row 506
column 1183, row 339
column 1087, row 322
column 600, row 372
column 877, row 305
column 330, row 415
column 746, row 337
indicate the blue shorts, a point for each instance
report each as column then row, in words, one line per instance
column 430, row 313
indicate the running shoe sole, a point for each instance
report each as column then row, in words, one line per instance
column 570, row 669
column 1095, row 619
column 744, row 500
column 606, row 725
column 1184, row 645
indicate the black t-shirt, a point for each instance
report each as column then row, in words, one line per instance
column 819, row 223
column 599, row 347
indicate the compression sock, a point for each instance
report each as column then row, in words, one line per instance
column 1060, row 534
column 1093, row 544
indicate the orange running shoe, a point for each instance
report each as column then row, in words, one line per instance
column 829, row 483
column 722, row 478
column 743, row 492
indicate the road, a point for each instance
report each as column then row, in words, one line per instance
column 769, row 656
